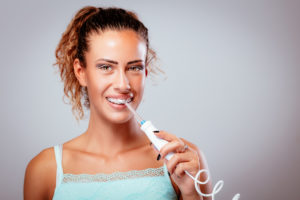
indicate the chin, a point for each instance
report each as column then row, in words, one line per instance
column 120, row 118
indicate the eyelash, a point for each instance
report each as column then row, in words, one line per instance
column 140, row 68
column 106, row 67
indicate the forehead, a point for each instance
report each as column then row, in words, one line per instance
column 118, row 45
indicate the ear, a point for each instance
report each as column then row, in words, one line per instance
column 80, row 72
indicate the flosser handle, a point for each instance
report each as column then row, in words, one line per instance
column 158, row 143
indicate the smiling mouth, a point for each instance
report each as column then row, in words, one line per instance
column 119, row 101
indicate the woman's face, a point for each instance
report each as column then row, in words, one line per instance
column 115, row 72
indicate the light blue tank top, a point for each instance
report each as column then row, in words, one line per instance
column 151, row 183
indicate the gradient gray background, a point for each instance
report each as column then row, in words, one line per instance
column 232, row 87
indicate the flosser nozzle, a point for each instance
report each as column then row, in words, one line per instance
column 137, row 117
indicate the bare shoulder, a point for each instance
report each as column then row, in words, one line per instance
column 40, row 176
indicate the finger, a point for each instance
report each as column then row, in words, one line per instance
column 176, row 159
column 166, row 136
column 180, row 169
column 173, row 146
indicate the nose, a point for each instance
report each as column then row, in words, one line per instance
column 121, row 82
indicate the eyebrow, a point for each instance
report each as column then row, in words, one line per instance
column 115, row 62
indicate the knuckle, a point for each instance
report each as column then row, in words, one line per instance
column 176, row 157
column 175, row 142
column 180, row 167
column 196, row 164
column 179, row 170
column 163, row 149
column 179, row 143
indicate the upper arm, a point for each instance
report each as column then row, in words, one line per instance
column 207, row 188
column 39, row 176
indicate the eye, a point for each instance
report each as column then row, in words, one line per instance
column 136, row 68
column 104, row 67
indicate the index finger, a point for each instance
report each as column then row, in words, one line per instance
column 166, row 136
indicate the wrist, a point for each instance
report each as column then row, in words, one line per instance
column 191, row 197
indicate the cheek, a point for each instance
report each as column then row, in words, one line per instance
column 138, row 84
column 97, row 85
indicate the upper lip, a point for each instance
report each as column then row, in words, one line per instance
column 120, row 96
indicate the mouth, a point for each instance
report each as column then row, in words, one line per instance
column 119, row 101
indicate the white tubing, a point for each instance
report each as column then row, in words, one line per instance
column 217, row 188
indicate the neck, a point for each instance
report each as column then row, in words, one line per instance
column 110, row 139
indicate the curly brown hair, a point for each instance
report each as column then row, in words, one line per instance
column 73, row 44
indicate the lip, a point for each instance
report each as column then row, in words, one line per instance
column 117, row 106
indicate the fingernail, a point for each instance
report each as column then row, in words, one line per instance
column 157, row 131
column 169, row 173
column 158, row 157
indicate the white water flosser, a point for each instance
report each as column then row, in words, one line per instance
column 158, row 143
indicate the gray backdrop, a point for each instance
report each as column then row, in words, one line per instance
column 232, row 87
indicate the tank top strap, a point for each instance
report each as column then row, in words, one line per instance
column 58, row 158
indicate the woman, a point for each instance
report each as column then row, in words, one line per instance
column 104, row 58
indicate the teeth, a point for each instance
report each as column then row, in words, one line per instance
column 119, row 101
